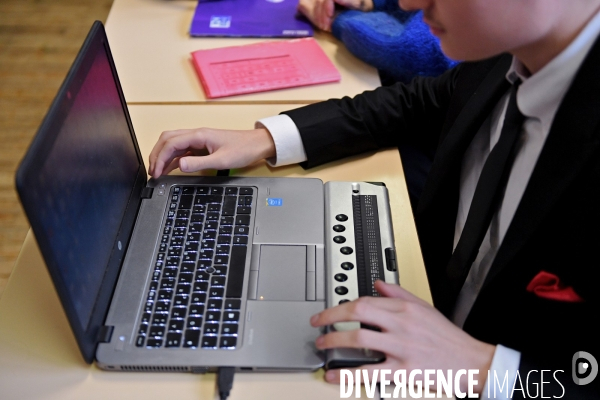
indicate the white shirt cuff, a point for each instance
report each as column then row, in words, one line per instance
column 502, row 375
column 289, row 148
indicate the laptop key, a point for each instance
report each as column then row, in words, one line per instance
column 178, row 312
column 183, row 289
column 139, row 341
column 196, row 309
column 220, row 270
column 214, row 304
column 173, row 339
column 240, row 239
column 229, row 329
column 146, row 318
column 211, row 226
column 222, row 249
column 162, row 306
column 244, row 210
column 156, row 331
column 213, row 316
column 233, row 304
column 227, row 221
column 191, row 338
column 231, row 316
column 242, row 220
column 209, row 342
column 176, row 325
column 217, row 281
column 194, row 322
column 237, row 265
column 216, row 292
column 154, row 342
column 228, row 342
column 229, row 206
column 221, row 260
column 198, row 298
column 211, row 329
column 186, row 201
column 143, row 329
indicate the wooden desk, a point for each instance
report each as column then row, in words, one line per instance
column 39, row 358
column 151, row 47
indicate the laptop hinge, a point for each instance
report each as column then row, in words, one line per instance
column 105, row 334
column 147, row 193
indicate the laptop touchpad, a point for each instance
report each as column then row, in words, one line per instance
column 282, row 273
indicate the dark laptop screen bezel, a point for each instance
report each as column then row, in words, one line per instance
column 87, row 336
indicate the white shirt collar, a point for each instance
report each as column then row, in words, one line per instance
column 541, row 93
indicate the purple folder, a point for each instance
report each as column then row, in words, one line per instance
column 249, row 18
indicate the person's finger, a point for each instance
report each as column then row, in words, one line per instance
column 198, row 163
column 396, row 291
column 362, row 339
column 173, row 165
column 317, row 14
column 369, row 310
column 164, row 136
column 176, row 146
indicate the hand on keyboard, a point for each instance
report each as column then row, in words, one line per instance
column 414, row 335
column 196, row 149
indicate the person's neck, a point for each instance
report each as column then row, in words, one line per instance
column 536, row 55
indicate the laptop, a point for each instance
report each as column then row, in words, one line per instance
column 186, row 273
column 249, row 18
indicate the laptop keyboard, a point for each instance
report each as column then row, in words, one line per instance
column 194, row 298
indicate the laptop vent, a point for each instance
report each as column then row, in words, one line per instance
column 142, row 368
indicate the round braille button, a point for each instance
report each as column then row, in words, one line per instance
column 346, row 250
column 347, row 266
column 339, row 228
column 339, row 239
column 341, row 217
column 341, row 290
column 343, row 301
column 210, row 270
column 340, row 277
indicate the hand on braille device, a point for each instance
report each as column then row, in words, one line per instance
column 359, row 251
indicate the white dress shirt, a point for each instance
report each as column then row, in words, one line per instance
column 538, row 98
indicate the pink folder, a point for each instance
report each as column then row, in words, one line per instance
column 264, row 66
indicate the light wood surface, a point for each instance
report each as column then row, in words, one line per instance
column 151, row 47
column 39, row 357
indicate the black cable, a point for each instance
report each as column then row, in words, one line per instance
column 225, row 381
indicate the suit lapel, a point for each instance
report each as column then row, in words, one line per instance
column 572, row 139
column 479, row 106
column 437, row 209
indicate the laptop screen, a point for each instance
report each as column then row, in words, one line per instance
column 84, row 183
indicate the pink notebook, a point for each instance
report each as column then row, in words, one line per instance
column 260, row 67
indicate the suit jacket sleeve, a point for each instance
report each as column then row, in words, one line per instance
column 384, row 117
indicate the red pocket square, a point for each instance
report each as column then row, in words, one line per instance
column 549, row 286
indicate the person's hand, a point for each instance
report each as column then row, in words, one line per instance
column 321, row 12
column 414, row 335
column 192, row 150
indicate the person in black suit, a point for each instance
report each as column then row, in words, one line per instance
column 527, row 297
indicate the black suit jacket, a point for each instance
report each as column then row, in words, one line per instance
column 556, row 227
